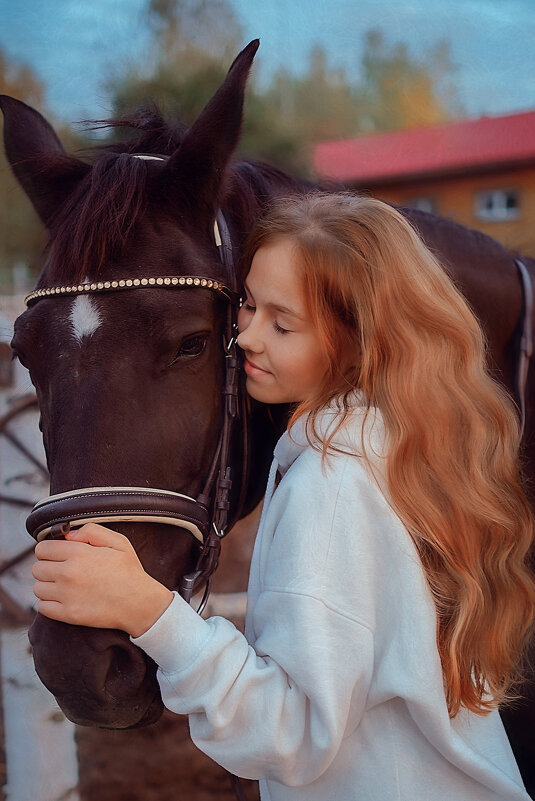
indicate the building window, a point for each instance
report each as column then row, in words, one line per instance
column 497, row 204
column 422, row 203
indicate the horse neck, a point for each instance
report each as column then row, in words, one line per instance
column 251, row 187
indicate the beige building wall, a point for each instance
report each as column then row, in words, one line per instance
column 455, row 197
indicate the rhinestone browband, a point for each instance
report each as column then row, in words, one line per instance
column 132, row 283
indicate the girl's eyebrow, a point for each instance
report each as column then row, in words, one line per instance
column 276, row 306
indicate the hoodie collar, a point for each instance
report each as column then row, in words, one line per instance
column 349, row 437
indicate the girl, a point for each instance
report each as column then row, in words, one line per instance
column 389, row 598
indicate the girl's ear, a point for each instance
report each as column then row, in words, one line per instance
column 44, row 170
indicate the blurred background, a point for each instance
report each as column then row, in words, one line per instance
column 325, row 72
column 421, row 102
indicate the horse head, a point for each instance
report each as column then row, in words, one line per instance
column 129, row 383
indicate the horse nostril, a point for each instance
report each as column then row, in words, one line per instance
column 126, row 668
column 97, row 676
column 120, row 663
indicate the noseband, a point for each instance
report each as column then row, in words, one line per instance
column 206, row 517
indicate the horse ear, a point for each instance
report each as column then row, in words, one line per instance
column 197, row 167
column 43, row 168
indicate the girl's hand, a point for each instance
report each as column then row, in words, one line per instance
column 95, row 578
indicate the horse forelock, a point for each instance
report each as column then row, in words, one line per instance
column 92, row 226
column 155, row 135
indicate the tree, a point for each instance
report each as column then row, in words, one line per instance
column 194, row 30
column 393, row 91
column 21, row 234
column 17, row 80
column 399, row 91
column 194, row 41
column 322, row 104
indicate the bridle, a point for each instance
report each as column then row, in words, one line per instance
column 207, row 517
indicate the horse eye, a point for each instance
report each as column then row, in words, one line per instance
column 193, row 346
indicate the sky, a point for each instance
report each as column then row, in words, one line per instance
column 76, row 45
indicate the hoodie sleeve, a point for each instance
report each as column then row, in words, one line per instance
column 277, row 708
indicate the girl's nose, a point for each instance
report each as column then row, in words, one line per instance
column 243, row 340
column 248, row 338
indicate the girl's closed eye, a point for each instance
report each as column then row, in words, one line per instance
column 279, row 329
column 247, row 304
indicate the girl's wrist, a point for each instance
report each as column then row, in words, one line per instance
column 149, row 605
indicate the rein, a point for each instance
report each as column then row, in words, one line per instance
column 206, row 517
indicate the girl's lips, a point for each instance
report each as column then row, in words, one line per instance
column 252, row 369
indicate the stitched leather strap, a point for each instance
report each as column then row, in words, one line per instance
column 118, row 504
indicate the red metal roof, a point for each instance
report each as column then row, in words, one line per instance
column 463, row 146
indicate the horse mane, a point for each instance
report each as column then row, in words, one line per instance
column 156, row 135
column 251, row 188
column 92, row 226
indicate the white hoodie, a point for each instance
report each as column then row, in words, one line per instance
column 336, row 689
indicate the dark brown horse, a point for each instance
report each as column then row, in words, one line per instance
column 130, row 383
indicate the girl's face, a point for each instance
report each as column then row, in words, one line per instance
column 283, row 358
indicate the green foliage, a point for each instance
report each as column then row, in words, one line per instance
column 194, row 41
column 170, row 89
column 190, row 30
column 22, row 236
column 285, row 119
column 401, row 92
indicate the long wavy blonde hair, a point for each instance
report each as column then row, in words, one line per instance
column 393, row 325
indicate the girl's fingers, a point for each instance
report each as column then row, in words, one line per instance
column 91, row 533
column 45, row 590
column 97, row 535
column 44, row 570
column 51, row 609
column 53, row 550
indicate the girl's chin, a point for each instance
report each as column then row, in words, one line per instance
column 265, row 394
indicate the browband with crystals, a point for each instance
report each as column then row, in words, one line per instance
column 169, row 282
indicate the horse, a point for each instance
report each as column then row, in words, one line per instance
column 123, row 341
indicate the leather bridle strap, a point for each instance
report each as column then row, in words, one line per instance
column 220, row 475
column 117, row 504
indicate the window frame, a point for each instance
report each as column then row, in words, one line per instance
column 499, row 212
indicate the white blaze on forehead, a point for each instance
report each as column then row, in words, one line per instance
column 85, row 318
